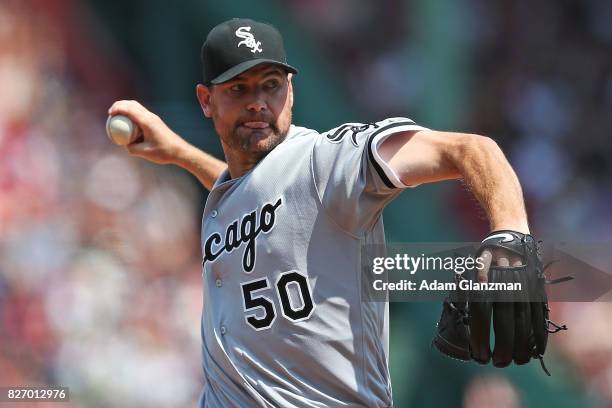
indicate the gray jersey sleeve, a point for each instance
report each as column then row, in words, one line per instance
column 352, row 181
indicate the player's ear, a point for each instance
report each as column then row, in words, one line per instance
column 290, row 89
column 204, row 96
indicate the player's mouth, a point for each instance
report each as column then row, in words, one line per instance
column 256, row 125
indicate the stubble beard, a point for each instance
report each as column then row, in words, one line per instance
column 246, row 141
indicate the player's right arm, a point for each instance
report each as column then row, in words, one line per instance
column 159, row 144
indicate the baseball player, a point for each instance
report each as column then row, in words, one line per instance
column 283, row 321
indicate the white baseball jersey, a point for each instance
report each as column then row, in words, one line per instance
column 283, row 322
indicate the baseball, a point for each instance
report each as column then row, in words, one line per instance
column 121, row 130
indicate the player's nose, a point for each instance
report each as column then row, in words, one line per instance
column 258, row 104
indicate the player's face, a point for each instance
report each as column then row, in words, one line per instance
column 251, row 112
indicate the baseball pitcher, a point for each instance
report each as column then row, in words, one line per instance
column 283, row 320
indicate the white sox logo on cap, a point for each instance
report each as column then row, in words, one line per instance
column 248, row 39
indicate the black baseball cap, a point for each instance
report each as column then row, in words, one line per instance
column 239, row 44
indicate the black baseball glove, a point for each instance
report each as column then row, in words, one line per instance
column 520, row 322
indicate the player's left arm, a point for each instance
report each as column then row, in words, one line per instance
column 427, row 156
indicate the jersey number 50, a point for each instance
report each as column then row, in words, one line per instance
column 254, row 304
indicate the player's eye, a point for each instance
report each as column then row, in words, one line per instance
column 272, row 84
column 237, row 88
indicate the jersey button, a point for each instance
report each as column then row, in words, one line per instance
column 219, row 283
column 214, row 213
column 223, row 330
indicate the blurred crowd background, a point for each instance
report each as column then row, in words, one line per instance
column 99, row 252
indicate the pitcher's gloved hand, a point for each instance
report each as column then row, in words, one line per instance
column 520, row 322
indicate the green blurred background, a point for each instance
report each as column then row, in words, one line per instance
column 99, row 258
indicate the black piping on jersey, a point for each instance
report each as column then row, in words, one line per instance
column 376, row 165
